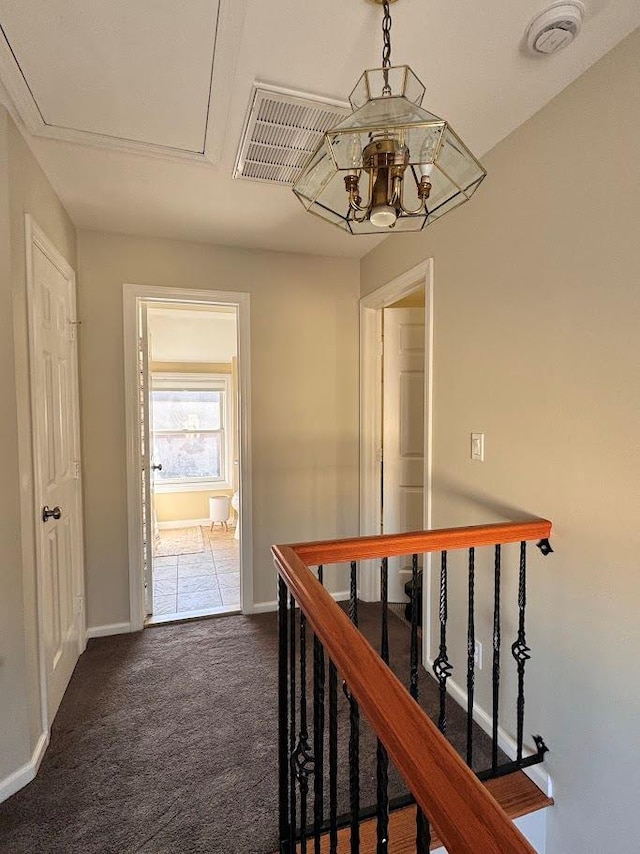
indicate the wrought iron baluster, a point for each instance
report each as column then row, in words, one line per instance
column 471, row 650
column 413, row 666
column 423, row 835
column 283, row 718
column 382, row 760
column 292, row 721
column 442, row 668
column 302, row 757
column 496, row 657
column 333, row 758
column 519, row 648
column 318, row 734
column 354, row 729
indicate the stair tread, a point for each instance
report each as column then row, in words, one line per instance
column 516, row 793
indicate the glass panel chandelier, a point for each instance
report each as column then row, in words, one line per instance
column 391, row 166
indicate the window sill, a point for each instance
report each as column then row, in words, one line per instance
column 190, row 486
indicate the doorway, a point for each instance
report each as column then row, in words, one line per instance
column 395, row 393
column 187, row 424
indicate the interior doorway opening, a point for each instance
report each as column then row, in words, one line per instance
column 186, row 362
column 192, row 399
column 396, row 355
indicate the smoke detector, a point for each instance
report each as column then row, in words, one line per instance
column 555, row 28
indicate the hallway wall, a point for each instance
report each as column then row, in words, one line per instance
column 304, row 395
column 24, row 188
column 537, row 324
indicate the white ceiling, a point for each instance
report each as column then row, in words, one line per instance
column 139, row 75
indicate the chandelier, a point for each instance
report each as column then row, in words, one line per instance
column 391, row 165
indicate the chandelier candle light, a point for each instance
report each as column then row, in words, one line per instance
column 415, row 167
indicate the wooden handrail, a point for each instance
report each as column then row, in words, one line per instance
column 467, row 818
column 390, row 545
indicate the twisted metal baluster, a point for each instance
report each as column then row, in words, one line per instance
column 303, row 759
column 354, row 730
column 496, row 657
column 423, row 835
column 292, row 719
column 286, row 833
column 471, row 650
column 333, row 758
column 318, row 733
column 519, row 648
column 382, row 760
column 442, row 668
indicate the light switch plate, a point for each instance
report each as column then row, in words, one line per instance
column 477, row 447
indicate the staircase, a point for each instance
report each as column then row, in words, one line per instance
column 320, row 647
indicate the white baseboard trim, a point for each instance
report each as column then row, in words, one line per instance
column 505, row 742
column 105, row 631
column 265, row 607
column 16, row 781
column 184, row 523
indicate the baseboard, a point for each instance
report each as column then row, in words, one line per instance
column 183, row 523
column 265, row 607
column 112, row 629
column 16, row 781
column 505, row 742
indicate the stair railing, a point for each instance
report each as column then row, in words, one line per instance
column 449, row 796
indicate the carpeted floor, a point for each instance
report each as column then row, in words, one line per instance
column 166, row 742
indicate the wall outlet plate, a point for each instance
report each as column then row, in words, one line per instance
column 477, row 447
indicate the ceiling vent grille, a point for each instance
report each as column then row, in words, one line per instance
column 281, row 131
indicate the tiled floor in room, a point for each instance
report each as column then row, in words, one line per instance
column 207, row 582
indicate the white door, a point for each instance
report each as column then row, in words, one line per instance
column 56, row 432
column 403, row 433
column 146, row 439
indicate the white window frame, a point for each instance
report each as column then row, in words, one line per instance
column 214, row 382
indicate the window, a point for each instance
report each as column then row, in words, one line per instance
column 190, row 427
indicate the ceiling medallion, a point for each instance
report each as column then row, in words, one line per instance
column 391, row 166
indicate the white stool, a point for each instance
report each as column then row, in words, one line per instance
column 219, row 510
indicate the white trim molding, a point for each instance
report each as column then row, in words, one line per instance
column 133, row 297
column 266, row 607
column 19, row 779
column 107, row 631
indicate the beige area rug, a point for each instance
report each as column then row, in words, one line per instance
column 179, row 541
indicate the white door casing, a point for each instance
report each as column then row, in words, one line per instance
column 133, row 296
column 146, row 437
column 403, row 433
column 55, row 415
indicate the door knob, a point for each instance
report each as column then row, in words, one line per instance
column 48, row 513
column 157, row 467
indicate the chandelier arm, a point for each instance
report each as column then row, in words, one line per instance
column 422, row 208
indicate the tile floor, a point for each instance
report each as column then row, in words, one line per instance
column 206, row 582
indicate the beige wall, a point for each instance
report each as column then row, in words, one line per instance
column 537, row 331
column 185, row 506
column 304, row 395
column 23, row 189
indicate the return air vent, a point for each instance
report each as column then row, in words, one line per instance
column 281, row 131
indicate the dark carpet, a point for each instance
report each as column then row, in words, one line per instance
column 166, row 742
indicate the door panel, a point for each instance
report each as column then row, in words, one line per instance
column 403, row 433
column 56, row 455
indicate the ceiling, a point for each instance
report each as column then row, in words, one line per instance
column 135, row 110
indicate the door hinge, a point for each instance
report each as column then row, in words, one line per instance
column 73, row 330
column 76, row 468
column 78, row 605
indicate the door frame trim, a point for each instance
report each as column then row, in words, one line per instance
column 132, row 296
column 371, row 307
column 35, row 236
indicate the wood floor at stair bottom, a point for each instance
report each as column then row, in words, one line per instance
column 516, row 794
